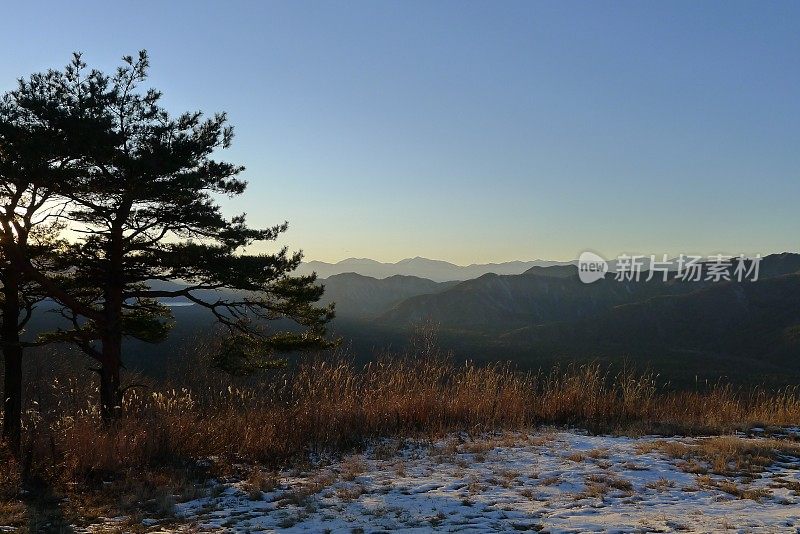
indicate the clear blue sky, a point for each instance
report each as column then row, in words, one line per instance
column 475, row 131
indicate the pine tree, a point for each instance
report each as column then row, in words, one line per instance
column 28, row 220
column 140, row 186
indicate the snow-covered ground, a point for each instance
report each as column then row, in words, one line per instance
column 511, row 482
column 539, row 481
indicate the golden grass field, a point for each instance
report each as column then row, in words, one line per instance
column 169, row 436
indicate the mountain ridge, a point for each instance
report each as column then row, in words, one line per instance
column 435, row 270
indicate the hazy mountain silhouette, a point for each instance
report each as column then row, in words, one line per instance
column 727, row 329
column 359, row 296
column 436, row 270
column 541, row 295
column 680, row 329
column 748, row 330
column 504, row 302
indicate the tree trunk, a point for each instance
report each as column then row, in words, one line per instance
column 110, row 392
column 111, row 356
column 12, row 354
column 111, row 352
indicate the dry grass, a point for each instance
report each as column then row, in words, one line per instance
column 593, row 490
column 350, row 493
column 299, row 495
column 351, row 467
column 400, row 469
column 610, row 481
column 10, row 475
column 474, row 487
column 388, row 449
column 694, row 467
column 597, row 486
column 732, row 488
column 727, row 455
column 781, row 482
column 662, row 484
column 634, row 466
column 337, row 406
column 13, row 513
column 598, row 454
column 259, row 482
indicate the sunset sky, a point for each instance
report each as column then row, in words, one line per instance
column 475, row 131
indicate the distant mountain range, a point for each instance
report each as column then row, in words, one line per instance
column 552, row 294
column 505, row 302
column 436, row 270
column 363, row 297
column 546, row 314
column 748, row 321
column 748, row 331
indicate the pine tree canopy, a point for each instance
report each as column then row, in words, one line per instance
column 139, row 187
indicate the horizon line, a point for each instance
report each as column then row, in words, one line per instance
column 574, row 259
